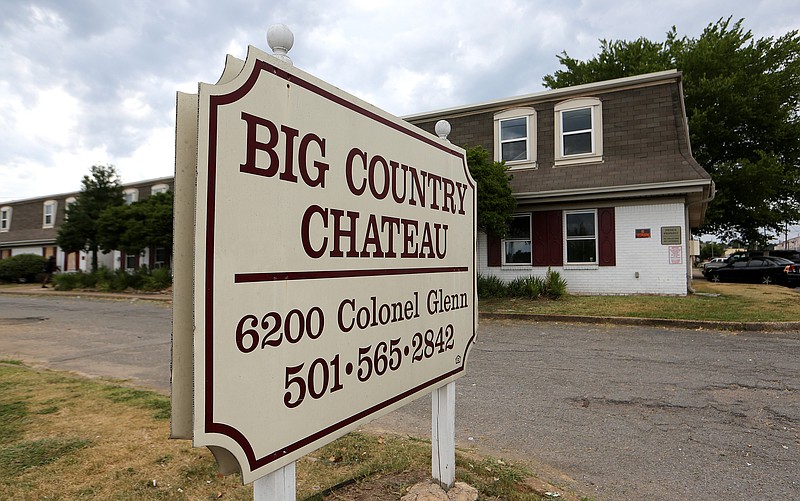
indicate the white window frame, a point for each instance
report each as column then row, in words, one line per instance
column 529, row 114
column 159, row 188
column 596, row 154
column 53, row 206
column 512, row 240
column 136, row 261
column 568, row 238
column 134, row 195
column 5, row 219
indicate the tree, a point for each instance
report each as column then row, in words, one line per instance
column 495, row 202
column 712, row 249
column 99, row 191
column 743, row 107
column 136, row 227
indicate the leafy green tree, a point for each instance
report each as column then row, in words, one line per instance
column 99, row 191
column 712, row 249
column 743, row 105
column 495, row 202
column 136, row 227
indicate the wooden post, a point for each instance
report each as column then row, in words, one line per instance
column 280, row 485
column 443, row 435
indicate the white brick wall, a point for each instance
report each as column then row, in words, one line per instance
column 645, row 255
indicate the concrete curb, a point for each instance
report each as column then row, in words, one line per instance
column 793, row 327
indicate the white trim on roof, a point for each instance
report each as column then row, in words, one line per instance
column 547, row 95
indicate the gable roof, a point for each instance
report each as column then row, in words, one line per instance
column 646, row 148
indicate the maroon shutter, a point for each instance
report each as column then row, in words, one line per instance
column 547, row 238
column 605, row 234
column 494, row 251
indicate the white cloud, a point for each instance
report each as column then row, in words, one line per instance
column 86, row 83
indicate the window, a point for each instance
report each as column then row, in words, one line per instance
column 159, row 188
column 49, row 214
column 515, row 137
column 585, row 238
column 131, row 261
column 581, row 237
column 517, row 245
column 130, row 195
column 579, row 134
column 160, row 257
column 5, row 218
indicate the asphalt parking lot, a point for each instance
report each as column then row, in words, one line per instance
column 608, row 411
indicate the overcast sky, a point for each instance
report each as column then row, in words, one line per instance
column 85, row 82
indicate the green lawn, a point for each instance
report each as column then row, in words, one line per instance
column 720, row 302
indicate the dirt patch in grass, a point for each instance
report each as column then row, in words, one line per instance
column 64, row 437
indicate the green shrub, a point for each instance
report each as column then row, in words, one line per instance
column 21, row 268
column 491, row 286
column 517, row 288
column 106, row 280
column 67, row 281
column 555, row 285
column 552, row 286
column 535, row 287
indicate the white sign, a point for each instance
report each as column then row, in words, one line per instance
column 675, row 254
column 334, row 264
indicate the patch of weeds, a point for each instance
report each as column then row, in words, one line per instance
column 47, row 410
column 24, row 455
column 11, row 362
column 495, row 479
column 13, row 415
column 125, row 473
column 358, row 457
column 200, row 469
column 141, row 399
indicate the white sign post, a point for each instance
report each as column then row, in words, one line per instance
column 334, row 269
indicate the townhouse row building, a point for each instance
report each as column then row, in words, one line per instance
column 30, row 226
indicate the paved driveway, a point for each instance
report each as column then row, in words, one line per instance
column 612, row 412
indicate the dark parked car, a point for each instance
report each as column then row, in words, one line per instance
column 791, row 275
column 719, row 262
column 761, row 269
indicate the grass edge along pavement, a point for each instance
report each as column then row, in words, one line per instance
column 70, row 437
column 714, row 306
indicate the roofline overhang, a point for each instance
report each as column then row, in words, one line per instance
column 25, row 243
column 552, row 94
column 68, row 194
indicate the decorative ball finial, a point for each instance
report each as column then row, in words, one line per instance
column 442, row 129
column 280, row 39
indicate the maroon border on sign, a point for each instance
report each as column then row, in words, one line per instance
column 224, row 429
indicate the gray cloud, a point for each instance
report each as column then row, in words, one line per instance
column 87, row 82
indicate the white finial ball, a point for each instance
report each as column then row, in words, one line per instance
column 280, row 39
column 442, row 129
